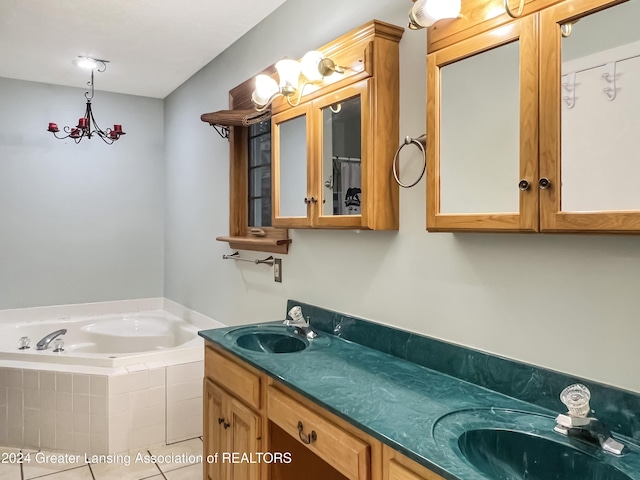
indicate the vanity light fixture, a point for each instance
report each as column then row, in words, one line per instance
column 293, row 77
column 87, row 126
column 425, row 13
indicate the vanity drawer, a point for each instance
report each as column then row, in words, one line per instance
column 340, row 449
column 232, row 377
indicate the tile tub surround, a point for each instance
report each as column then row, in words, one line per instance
column 99, row 414
column 618, row 409
column 411, row 408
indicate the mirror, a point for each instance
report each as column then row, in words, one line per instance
column 480, row 132
column 293, row 167
column 342, row 158
column 600, row 110
column 259, row 156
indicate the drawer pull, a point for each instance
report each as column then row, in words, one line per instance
column 309, row 438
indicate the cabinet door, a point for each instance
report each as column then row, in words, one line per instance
column 214, row 430
column 590, row 109
column 292, row 144
column 341, row 162
column 482, row 132
column 399, row 467
column 245, row 438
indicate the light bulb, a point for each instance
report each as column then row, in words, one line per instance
column 86, row 63
column 266, row 87
column 440, row 9
column 309, row 66
column 425, row 13
column 289, row 73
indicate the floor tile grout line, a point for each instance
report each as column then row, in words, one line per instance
column 157, row 466
column 93, row 474
column 57, row 472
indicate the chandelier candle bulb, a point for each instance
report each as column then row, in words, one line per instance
column 53, row 127
column 82, row 122
column 117, row 129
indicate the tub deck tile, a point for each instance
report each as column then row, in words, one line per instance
column 10, row 472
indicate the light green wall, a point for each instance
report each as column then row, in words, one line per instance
column 567, row 302
column 78, row 223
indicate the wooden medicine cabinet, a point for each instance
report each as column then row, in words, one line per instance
column 332, row 153
column 530, row 120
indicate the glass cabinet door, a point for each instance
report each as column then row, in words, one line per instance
column 340, row 162
column 482, row 126
column 259, row 170
column 291, row 153
column 590, row 93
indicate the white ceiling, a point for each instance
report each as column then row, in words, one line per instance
column 153, row 45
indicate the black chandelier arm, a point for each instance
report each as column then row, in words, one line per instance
column 55, row 134
column 106, row 139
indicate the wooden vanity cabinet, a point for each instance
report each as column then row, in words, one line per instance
column 246, row 411
column 332, row 154
column 552, row 178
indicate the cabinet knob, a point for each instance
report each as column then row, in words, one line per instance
column 544, row 183
column 307, row 201
column 314, row 200
column 524, row 185
column 226, row 425
column 220, row 420
column 308, row 438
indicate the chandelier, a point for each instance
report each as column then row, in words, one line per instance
column 87, row 126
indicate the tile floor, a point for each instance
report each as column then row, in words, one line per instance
column 179, row 461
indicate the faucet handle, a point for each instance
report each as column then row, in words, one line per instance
column 576, row 398
column 24, row 343
column 296, row 314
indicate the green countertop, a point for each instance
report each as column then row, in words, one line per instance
column 415, row 410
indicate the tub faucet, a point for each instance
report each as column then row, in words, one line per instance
column 577, row 423
column 46, row 340
column 302, row 326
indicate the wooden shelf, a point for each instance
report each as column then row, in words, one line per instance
column 260, row 244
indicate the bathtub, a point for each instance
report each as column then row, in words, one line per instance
column 106, row 340
column 124, row 382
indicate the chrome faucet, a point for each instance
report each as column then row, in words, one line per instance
column 577, row 423
column 47, row 339
column 302, row 326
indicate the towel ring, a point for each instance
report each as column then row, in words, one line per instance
column 421, row 143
